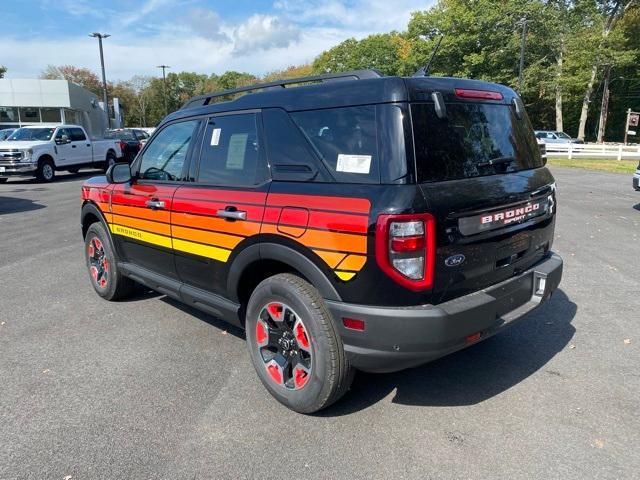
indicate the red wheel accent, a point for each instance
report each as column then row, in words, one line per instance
column 97, row 243
column 300, row 377
column 103, row 282
column 90, row 250
column 94, row 273
column 261, row 333
column 105, row 264
column 274, row 371
column 301, row 335
column 275, row 310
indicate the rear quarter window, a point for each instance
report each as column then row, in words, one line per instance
column 345, row 139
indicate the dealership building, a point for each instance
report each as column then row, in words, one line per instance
column 31, row 102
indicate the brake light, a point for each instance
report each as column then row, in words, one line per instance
column 123, row 145
column 481, row 94
column 406, row 249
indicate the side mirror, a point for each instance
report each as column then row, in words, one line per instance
column 119, row 173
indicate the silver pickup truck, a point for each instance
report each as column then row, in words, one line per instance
column 41, row 150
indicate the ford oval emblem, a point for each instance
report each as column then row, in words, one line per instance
column 454, row 260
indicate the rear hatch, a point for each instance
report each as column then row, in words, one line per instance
column 480, row 170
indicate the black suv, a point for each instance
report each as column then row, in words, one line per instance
column 356, row 221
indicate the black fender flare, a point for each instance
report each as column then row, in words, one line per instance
column 91, row 208
column 283, row 254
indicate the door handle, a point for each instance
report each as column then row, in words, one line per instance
column 232, row 214
column 155, row 204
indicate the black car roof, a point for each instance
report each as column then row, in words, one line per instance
column 330, row 91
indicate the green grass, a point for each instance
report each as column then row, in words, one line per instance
column 599, row 164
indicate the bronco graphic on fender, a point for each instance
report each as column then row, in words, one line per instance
column 356, row 221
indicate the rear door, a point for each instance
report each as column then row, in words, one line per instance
column 142, row 209
column 481, row 173
column 220, row 212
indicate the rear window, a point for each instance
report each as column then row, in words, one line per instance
column 120, row 135
column 473, row 140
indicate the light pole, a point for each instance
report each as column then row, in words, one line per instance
column 164, row 87
column 100, row 36
column 523, row 44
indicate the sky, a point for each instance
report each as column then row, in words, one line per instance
column 204, row 36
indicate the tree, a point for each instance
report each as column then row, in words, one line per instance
column 383, row 52
column 3, row 70
column 610, row 12
column 80, row 76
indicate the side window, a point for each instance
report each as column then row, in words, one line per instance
column 61, row 132
column 165, row 155
column 77, row 135
column 346, row 139
column 230, row 152
column 290, row 155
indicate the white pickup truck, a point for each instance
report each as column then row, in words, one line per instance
column 41, row 150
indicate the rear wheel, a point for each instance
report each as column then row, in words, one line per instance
column 46, row 170
column 106, row 278
column 110, row 160
column 294, row 345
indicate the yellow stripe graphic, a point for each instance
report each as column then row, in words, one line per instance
column 141, row 235
column 346, row 276
column 216, row 253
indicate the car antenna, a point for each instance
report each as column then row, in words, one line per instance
column 424, row 71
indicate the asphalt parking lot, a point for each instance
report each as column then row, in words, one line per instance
column 150, row 389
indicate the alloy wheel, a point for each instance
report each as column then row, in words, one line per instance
column 284, row 346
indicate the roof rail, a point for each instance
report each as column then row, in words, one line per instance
column 205, row 99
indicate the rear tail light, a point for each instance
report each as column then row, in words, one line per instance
column 479, row 94
column 123, row 146
column 406, row 249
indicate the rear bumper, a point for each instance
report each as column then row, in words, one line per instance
column 396, row 338
column 17, row 168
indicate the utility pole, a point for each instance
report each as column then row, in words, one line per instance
column 604, row 109
column 100, row 36
column 164, row 87
column 626, row 125
column 523, row 44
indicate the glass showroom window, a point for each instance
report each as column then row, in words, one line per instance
column 8, row 115
column 29, row 115
column 51, row 115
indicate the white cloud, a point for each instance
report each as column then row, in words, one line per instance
column 203, row 42
column 205, row 23
column 264, row 32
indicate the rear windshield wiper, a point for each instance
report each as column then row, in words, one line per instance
column 496, row 161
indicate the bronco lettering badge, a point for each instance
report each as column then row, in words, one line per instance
column 502, row 218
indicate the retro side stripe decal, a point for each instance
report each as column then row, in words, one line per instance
column 141, row 235
column 335, row 228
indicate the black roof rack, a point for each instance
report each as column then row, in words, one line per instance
column 353, row 75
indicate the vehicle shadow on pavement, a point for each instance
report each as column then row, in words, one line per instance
column 477, row 373
column 17, row 205
column 60, row 178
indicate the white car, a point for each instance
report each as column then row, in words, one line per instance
column 41, row 150
column 636, row 178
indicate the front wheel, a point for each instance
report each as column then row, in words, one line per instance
column 46, row 171
column 294, row 346
column 106, row 278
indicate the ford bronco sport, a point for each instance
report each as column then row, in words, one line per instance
column 356, row 221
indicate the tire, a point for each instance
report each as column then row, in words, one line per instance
column 110, row 160
column 105, row 277
column 305, row 368
column 46, row 171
